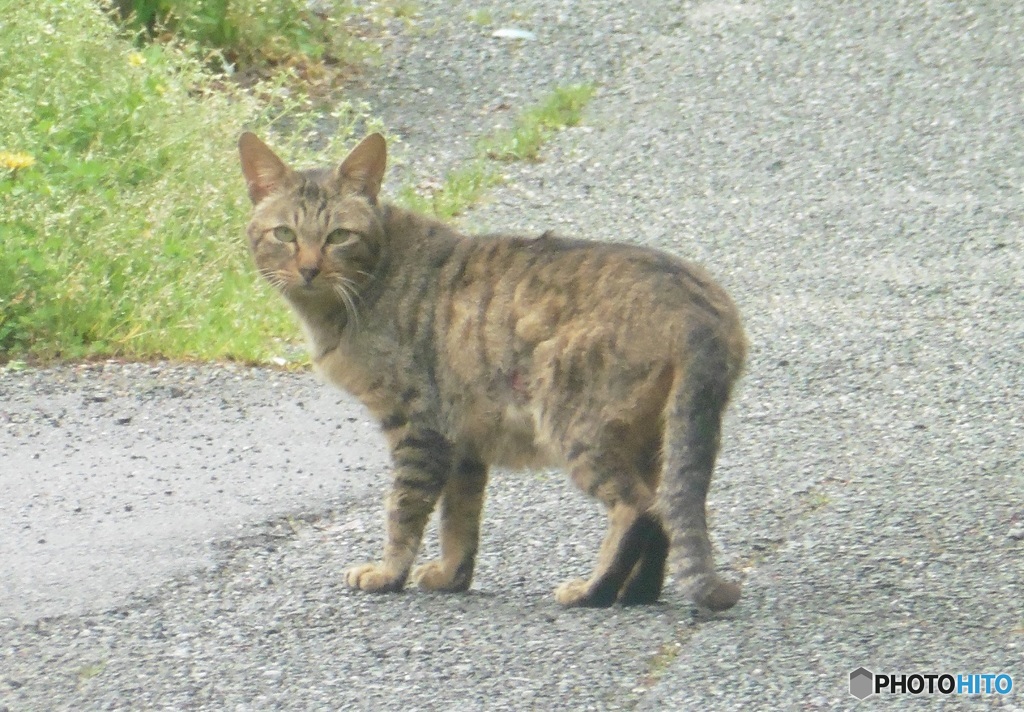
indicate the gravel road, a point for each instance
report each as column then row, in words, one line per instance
column 172, row 536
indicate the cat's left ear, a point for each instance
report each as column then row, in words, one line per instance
column 264, row 171
column 363, row 168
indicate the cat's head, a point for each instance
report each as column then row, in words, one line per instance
column 315, row 231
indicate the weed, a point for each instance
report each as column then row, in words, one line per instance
column 121, row 205
column 563, row 108
column 660, row 662
column 482, row 17
column 257, row 32
column 89, row 671
column 464, row 186
column 816, row 500
column 405, row 10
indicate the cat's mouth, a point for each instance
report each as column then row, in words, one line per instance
column 296, row 287
column 307, row 289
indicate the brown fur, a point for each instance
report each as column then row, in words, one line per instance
column 612, row 361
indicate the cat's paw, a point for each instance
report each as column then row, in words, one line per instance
column 373, row 578
column 432, row 576
column 580, row 593
column 720, row 595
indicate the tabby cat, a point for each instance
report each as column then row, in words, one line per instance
column 611, row 361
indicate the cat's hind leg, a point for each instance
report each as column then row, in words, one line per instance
column 648, row 576
column 645, row 582
column 632, row 529
column 461, row 505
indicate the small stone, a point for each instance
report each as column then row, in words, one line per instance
column 1016, row 533
column 513, row 33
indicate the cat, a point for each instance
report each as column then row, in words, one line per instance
column 612, row 361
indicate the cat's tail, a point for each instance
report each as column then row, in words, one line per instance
column 693, row 420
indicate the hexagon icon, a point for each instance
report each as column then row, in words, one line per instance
column 861, row 683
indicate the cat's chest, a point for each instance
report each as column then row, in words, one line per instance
column 375, row 382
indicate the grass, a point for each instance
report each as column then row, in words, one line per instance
column 465, row 185
column 462, row 187
column 561, row 109
column 663, row 659
column 89, row 671
column 660, row 662
column 122, row 208
column 257, row 33
column 481, row 16
column 816, row 500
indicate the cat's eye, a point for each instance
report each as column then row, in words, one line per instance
column 284, row 233
column 340, row 236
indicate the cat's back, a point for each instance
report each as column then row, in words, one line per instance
column 506, row 300
column 587, row 279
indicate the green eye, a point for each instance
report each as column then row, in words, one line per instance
column 339, row 236
column 284, row 233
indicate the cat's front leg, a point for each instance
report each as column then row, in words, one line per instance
column 461, row 506
column 423, row 462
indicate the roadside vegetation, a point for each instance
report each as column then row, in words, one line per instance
column 122, row 208
column 560, row 109
column 318, row 38
column 122, row 203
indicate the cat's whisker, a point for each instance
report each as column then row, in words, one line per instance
column 276, row 278
column 354, row 312
column 351, row 311
column 352, row 286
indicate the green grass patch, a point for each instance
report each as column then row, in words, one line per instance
column 89, row 671
column 461, row 188
column 258, row 33
column 561, row 109
column 467, row 184
column 660, row 662
column 481, row 16
column 122, row 207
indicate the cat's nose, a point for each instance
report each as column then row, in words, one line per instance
column 309, row 273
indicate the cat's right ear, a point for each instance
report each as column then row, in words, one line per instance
column 264, row 171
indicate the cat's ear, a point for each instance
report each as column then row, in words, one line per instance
column 363, row 168
column 264, row 171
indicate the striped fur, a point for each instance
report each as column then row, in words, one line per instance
column 614, row 362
